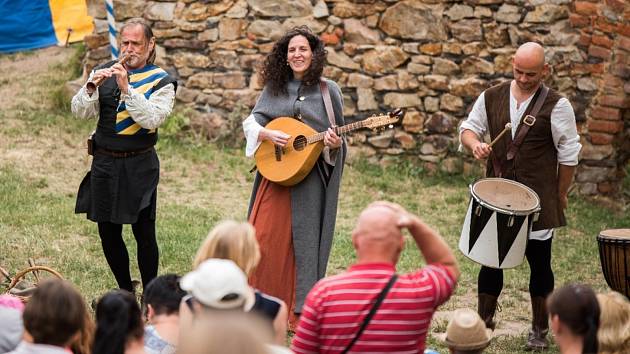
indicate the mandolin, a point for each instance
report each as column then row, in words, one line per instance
column 289, row 165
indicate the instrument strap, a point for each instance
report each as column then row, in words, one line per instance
column 527, row 121
column 327, row 102
column 523, row 127
column 368, row 318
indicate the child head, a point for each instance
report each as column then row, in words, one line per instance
column 55, row 313
column 231, row 240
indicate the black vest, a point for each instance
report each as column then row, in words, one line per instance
column 108, row 99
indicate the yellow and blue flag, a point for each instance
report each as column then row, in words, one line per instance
column 31, row 24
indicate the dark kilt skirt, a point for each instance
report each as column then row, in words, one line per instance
column 117, row 188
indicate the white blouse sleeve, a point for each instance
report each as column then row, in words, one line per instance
column 83, row 105
column 477, row 120
column 252, row 129
column 564, row 133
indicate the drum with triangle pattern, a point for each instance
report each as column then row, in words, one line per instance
column 498, row 222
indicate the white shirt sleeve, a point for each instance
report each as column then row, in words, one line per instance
column 83, row 105
column 564, row 133
column 150, row 113
column 477, row 120
column 251, row 128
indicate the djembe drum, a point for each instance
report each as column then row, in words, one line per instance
column 498, row 222
column 614, row 255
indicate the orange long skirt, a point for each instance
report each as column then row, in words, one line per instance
column 271, row 217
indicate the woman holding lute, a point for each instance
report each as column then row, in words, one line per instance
column 295, row 223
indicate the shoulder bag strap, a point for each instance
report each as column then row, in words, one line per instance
column 327, row 102
column 373, row 310
column 523, row 128
column 526, row 123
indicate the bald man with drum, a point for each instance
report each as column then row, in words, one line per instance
column 542, row 153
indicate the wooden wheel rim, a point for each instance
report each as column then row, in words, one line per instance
column 25, row 271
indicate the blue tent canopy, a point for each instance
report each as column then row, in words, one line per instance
column 31, row 24
column 26, row 24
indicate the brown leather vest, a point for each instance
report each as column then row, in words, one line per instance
column 536, row 162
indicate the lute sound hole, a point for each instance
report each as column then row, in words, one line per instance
column 299, row 143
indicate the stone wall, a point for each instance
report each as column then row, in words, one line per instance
column 430, row 57
column 604, row 43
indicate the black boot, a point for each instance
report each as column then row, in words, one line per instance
column 487, row 306
column 537, row 339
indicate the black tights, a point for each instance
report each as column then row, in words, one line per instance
column 116, row 251
column 538, row 255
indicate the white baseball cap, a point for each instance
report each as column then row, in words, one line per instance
column 218, row 284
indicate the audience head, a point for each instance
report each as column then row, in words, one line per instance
column 55, row 313
column 614, row 323
column 82, row 344
column 466, row 333
column 377, row 233
column 11, row 327
column 218, row 284
column 234, row 333
column 231, row 240
column 574, row 313
column 118, row 322
column 163, row 296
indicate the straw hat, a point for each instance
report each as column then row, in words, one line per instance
column 466, row 331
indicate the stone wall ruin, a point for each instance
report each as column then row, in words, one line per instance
column 431, row 57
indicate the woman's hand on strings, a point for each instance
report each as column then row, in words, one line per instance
column 277, row 137
column 331, row 139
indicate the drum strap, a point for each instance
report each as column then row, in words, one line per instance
column 527, row 122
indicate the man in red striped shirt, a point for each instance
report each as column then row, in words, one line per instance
column 336, row 306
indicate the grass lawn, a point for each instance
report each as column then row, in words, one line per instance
column 42, row 162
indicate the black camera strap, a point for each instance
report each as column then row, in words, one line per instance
column 373, row 310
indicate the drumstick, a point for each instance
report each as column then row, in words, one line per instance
column 508, row 126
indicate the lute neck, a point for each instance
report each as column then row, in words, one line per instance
column 339, row 130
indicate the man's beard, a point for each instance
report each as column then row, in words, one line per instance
column 530, row 86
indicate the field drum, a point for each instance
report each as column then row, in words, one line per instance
column 614, row 255
column 498, row 222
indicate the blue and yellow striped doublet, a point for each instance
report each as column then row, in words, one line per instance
column 143, row 81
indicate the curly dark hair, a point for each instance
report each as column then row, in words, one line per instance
column 274, row 71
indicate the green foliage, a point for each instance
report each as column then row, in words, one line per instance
column 176, row 124
column 75, row 64
column 60, row 100
column 231, row 135
column 60, row 97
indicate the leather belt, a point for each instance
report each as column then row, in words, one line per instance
column 122, row 154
